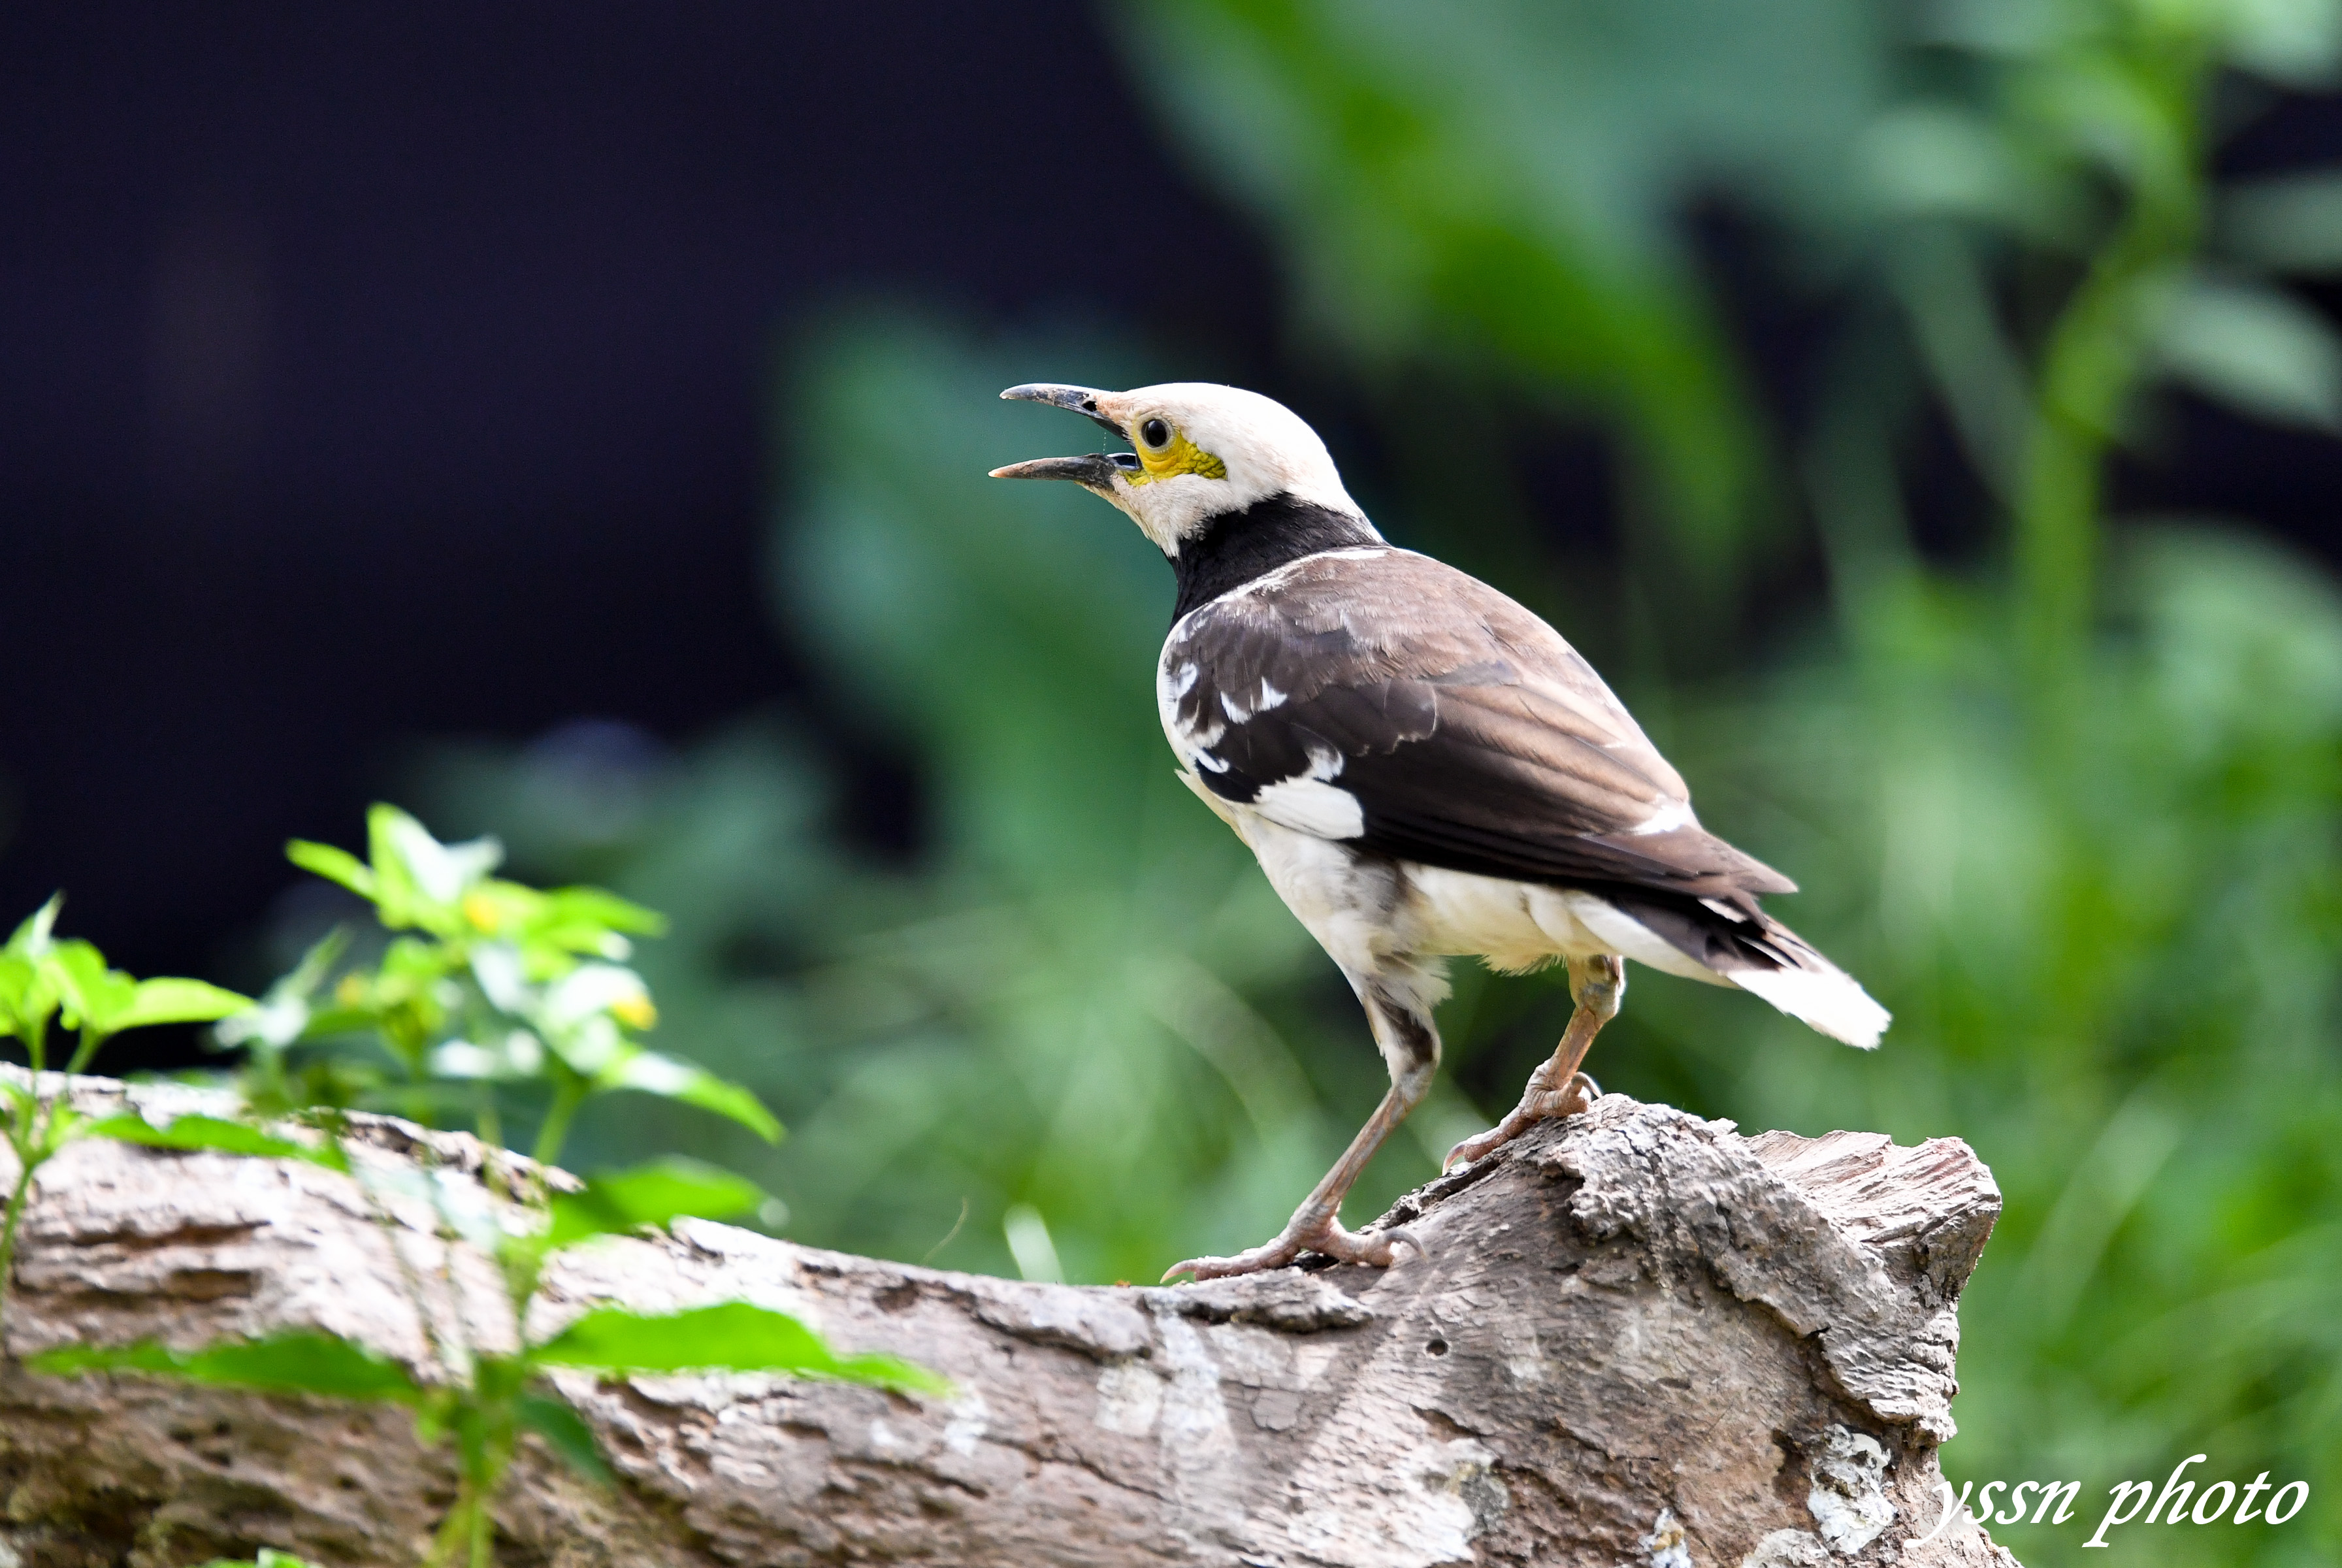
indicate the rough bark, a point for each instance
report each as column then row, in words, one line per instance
column 1636, row 1337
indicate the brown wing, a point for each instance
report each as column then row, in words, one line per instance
column 1467, row 731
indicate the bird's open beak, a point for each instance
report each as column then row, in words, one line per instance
column 1082, row 400
column 1096, row 469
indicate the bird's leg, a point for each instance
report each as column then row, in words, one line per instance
column 1411, row 1046
column 1558, row 1088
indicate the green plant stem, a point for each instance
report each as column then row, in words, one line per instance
column 84, row 1048
column 26, row 1167
column 2089, row 368
column 469, row 1528
column 28, row 1137
column 455, row 1530
column 568, row 1094
column 491, row 1131
column 449, row 1235
column 387, row 1222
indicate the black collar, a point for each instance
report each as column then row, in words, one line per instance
column 1236, row 547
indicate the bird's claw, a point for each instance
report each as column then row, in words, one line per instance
column 1539, row 1102
column 1375, row 1249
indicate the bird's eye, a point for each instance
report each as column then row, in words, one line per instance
column 1153, row 432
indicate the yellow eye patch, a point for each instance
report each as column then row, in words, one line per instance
column 1178, row 456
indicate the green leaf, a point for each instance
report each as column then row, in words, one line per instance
column 396, row 897
column 1936, row 157
column 92, row 996
column 18, row 974
column 108, row 1002
column 2295, row 45
column 27, row 995
column 65, row 1125
column 654, row 1074
column 169, row 1000
column 565, row 1432
column 329, row 1022
column 279, row 1018
column 2292, row 224
column 413, row 960
column 334, row 864
column 734, row 1336
column 31, row 936
column 419, row 881
column 2261, row 351
column 297, row 1363
column 654, row 1194
column 211, row 1133
column 573, row 914
column 268, row 1558
column 315, row 964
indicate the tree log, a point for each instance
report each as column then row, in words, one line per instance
column 1635, row 1337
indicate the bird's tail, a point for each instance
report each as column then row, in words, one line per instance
column 1746, row 947
column 1815, row 991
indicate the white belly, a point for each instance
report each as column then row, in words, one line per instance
column 1377, row 917
column 1514, row 925
column 1368, row 911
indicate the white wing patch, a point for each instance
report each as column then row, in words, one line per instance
column 1312, row 806
column 1311, row 803
column 1670, row 815
column 1235, row 707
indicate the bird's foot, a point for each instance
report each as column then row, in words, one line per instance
column 1375, row 1249
column 1539, row 1101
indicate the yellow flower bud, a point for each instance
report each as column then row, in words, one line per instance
column 636, row 1011
column 352, row 991
column 481, row 911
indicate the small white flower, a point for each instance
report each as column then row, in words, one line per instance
column 590, row 989
column 496, row 966
column 443, row 871
column 461, row 1059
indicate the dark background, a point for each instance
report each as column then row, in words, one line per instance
column 370, row 374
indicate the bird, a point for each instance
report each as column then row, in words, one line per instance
column 1422, row 766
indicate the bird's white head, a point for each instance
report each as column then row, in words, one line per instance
column 1202, row 450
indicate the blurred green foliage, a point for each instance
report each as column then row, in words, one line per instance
column 1497, row 189
column 2070, row 809
column 53, row 983
column 484, row 986
column 483, row 995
